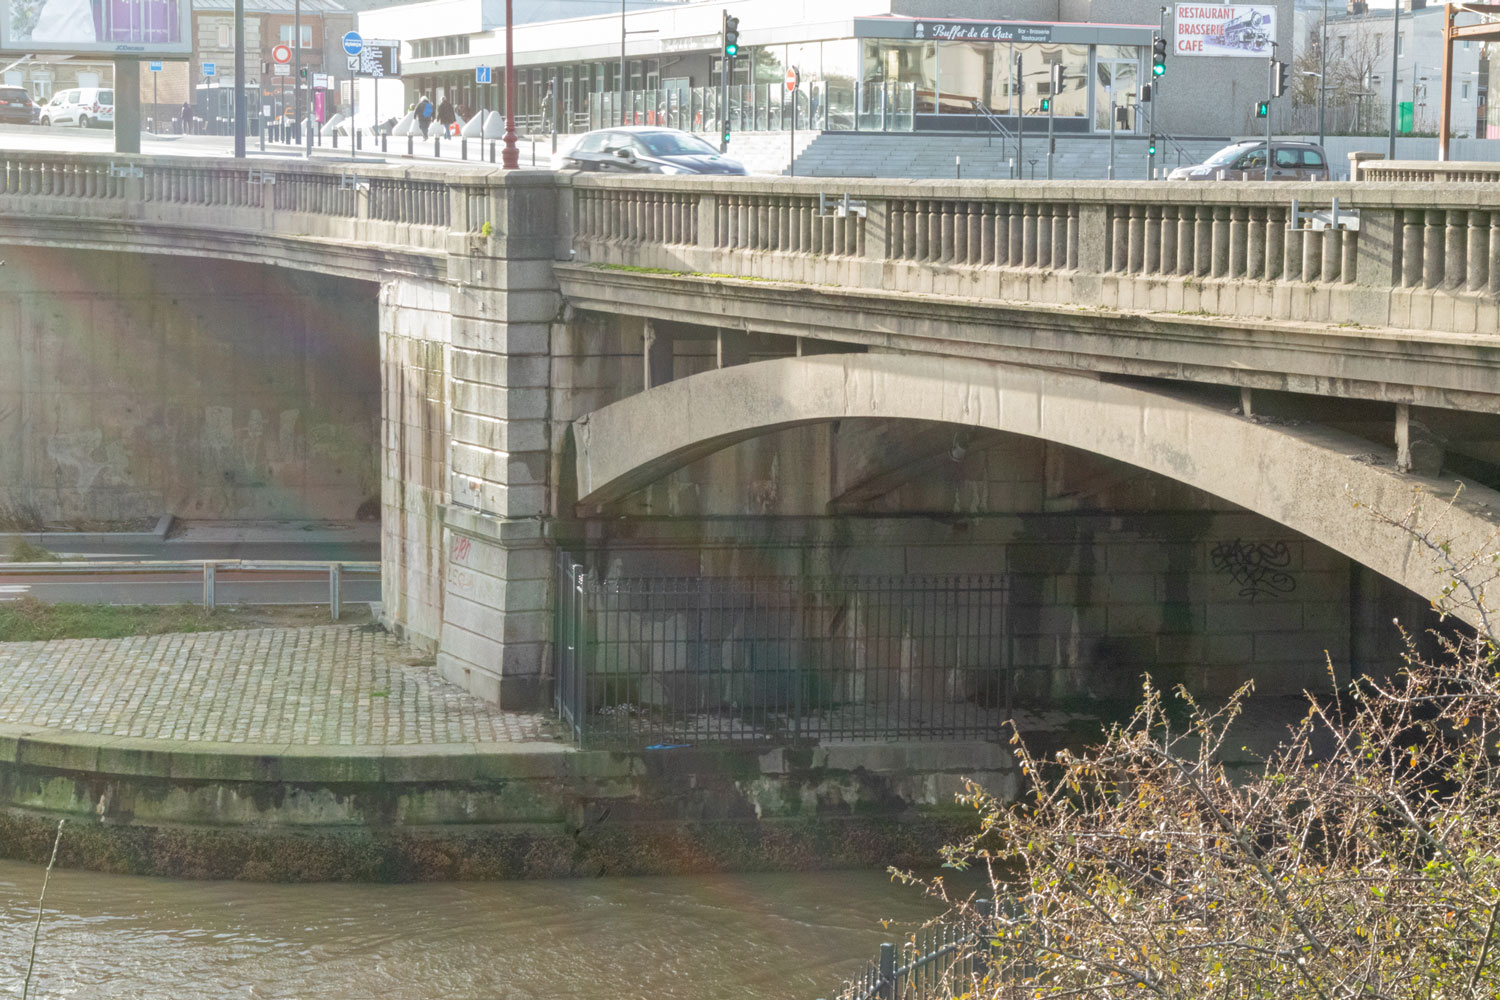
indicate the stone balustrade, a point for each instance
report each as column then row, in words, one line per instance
column 1409, row 257
column 1427, row 171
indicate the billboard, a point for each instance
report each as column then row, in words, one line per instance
column 98, row 27
column 1239, row 30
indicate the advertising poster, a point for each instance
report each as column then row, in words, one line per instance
column 97, row 27
column 1238, row 30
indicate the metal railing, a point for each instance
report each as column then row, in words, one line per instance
column 650, row 662
column 943, row 960
column 210, row 568
column 993, row 120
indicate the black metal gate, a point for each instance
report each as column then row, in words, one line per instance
column 667, row 661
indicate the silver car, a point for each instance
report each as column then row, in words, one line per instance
column 1246, row 161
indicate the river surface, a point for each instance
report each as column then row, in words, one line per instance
column 720, row 937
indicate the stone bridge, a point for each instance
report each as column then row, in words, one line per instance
column 1153, row 406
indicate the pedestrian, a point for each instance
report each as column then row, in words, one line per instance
column 445, row 114
column 186, row 118
column 424, row 114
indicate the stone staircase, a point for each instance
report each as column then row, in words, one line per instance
column 875, row 154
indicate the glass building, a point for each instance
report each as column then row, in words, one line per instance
column 857, row 68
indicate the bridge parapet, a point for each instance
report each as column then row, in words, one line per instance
column 1415, row 258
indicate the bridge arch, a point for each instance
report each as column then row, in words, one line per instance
column 1303, row 477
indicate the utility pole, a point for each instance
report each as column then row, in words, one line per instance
column 510, row 156
column 1055, row 86
column 297, row 70
column 1020, row 116
column 620, row 88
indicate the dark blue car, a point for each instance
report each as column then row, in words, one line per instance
column 17, row 107
column 640, row 149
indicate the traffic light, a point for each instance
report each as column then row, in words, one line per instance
column 731, row 36
column 1159, row 56
column 1280, row 74
column 1145, row 93
column 1046, row 104
column 724, row 138
column 1262, row 109
column 1151, row 146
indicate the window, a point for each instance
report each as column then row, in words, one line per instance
column 1463, row 91
column 1312, row 158
column 286, row 35
column 1400, row 45
column 225, row 35
column 1288, row 158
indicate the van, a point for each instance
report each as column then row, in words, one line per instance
column 81, row 106
column 1246, row 161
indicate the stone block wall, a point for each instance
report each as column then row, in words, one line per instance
column 414, row 370
column 133, row 385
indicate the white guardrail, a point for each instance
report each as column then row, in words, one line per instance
column 210, row 569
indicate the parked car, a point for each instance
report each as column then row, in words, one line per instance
column 16, row 105
column 1246, row 161
column 646, row 149
column 81, row 106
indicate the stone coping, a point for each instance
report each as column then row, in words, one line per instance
column 442, row 763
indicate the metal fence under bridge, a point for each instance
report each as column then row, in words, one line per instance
column 671, row 661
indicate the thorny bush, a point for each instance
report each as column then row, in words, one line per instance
column 1362, row 860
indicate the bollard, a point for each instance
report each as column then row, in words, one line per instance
column 463, row 149
column 409, row 141
column 887, row 971
column 208, row 586
column 359, row 139
column 492, row 151
column 437, row 146
column 335, row 578
column 383, row 138
column 335, row 139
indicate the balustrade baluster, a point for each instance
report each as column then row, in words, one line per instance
column 1151, row 262
column 1456, row 249
column 1239, row 241
column 1478, row 251
column 1044, row 223
column 1017, row 234
column 1433, row 248
column 1219, row 266
column 1136, row 234
column 1333, row 254
column 1312, row 254
column 946, row 245
column 1119, row 243
column 1028, row 234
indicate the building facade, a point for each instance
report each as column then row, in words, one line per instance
column 877, row 65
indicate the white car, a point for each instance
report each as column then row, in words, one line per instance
column 81, row 106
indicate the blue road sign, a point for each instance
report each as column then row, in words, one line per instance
column 481, row 74
column 155, row 67
column 353, row 44
column 209, row 69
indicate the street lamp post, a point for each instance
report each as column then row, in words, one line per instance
column 1395, row 68
column 239, row 79
column 1323, row 79
column 510, row 156
column 620, row 81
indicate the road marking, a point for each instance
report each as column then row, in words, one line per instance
column 14, row 592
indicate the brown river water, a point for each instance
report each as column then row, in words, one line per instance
column 720, row 937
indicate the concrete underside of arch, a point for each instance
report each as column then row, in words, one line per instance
column 1304, row 477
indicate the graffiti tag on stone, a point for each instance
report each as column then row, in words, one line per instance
column 1260, row 569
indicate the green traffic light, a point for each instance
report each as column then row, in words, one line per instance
column 1046, row 104
column 1151, row 149
column 1158, row 69
column 731, row 49
column 725, row 138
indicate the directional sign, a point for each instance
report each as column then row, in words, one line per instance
column 481, row 74
column 155, row 67
column 353, row 43
column 209, row 69
column 281, row 53
column 379, row 58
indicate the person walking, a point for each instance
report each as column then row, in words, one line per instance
column 186, row 120
column 445, row 115
column 424, row 114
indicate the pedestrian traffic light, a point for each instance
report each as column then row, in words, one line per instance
column 1280, row 74
column 1151, row 146
column 1159, row 56
column 1262, row 109
column 731, row 36
column 1046, row 104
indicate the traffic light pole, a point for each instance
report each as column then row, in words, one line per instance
column 1020, row 119
column 1270, row 95
column 1051, row 116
